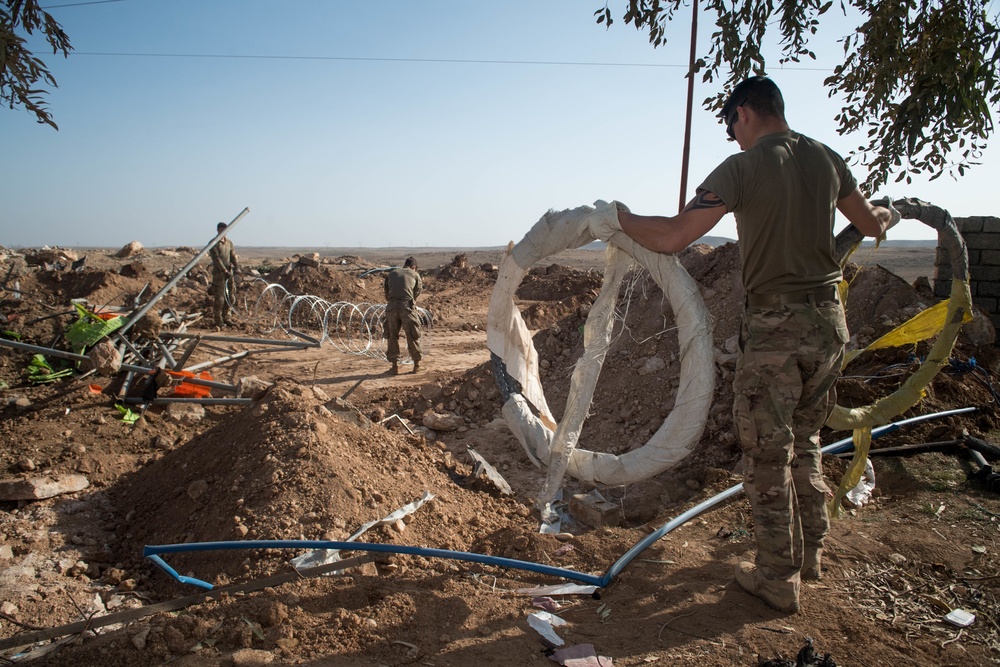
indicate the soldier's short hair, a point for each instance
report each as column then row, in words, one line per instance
column 760, row 94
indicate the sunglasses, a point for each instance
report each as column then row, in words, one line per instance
column 731, row 120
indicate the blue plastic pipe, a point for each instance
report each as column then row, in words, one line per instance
column 834, row 447
column 152, row 552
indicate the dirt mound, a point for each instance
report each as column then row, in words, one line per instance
column 453, row 293
column 300, row 466
column 103, row 282
column 447, row 289
column 332, row 283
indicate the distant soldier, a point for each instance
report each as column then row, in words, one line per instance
column 224, row 268
column 402, row 287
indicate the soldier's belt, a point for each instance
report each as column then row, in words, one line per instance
column 813, row 296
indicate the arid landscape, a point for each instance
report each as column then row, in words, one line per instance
column 326, row 442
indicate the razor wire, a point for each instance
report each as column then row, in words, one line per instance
column 352, row 328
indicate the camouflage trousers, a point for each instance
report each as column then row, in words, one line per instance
column 400, row 316
column 220, row 283
column 785, row 389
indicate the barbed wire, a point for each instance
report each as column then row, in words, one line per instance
column 352, row 328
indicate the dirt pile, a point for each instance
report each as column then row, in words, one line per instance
column 298, row 465
column 333, row 282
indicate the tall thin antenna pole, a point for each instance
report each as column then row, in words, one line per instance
column 690, row 105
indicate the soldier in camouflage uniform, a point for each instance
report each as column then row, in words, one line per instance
column 402, row 286
column 225, row 265
column 784, row 189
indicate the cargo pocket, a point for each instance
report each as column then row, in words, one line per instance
column 745, row 389
column 839, row 321
column 817, row 482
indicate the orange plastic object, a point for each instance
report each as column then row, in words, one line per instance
column 188, row 390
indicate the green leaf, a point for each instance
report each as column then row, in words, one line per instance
column 128, row 416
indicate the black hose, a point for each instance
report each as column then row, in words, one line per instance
column 981, row 446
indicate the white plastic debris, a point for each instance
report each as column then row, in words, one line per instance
column 960, row 618
column 553, row 515
column 558, row 589
column 861, row 494
column 580, row 655
column 543, row 623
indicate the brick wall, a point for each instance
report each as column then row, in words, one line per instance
column 982, row 240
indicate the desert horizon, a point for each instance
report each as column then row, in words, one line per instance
column 907, row 259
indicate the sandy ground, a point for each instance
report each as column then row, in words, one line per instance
column 336, row 443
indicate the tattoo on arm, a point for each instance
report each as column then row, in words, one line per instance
column 704, row 199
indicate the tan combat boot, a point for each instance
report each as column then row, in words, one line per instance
column 812, row 564
column 778, row 594
column 416, row 366
column 395, row 369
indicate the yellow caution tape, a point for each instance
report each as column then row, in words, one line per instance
column 925, row 324
column 959, row 309
column 862, row 438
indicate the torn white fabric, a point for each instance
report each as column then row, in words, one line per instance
column 508, row 338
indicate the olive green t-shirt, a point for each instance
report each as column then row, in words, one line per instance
column 784, row 192
column 402, row 284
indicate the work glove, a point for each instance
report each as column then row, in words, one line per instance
column 886, row 202
column 603, row 222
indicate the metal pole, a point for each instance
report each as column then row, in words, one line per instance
column 690, row 105
column 187, row 354
column 200, row 401
column 127, row 343
column 237, row 339
column 306, row 337
column 137, row 315
column 216, row 362
column 123, row 390
column 167, row 357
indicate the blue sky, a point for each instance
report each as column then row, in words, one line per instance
column 351, row 123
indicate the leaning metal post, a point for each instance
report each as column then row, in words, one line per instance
column 237, row 339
